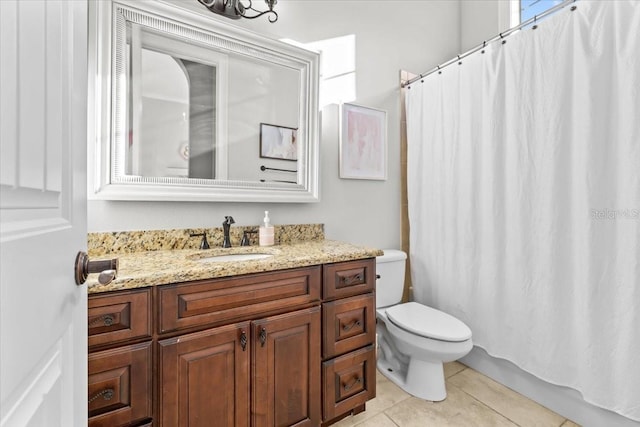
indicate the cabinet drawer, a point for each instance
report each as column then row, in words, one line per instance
column 348, row 381
column 119, row 317
column 120, row 385
column 348, row 324
column 348, row 278
column 208, row 302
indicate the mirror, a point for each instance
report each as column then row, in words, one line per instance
column 194, row 109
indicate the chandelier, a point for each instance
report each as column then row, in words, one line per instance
column 236, row 9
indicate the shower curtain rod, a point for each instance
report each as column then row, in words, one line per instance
column 500, row 36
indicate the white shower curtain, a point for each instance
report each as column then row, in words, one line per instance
column 524, row 199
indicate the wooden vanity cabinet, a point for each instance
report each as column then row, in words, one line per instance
column 261, row 370
column 285, row 348
column 120, row 359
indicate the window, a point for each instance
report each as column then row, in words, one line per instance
column 338, row 68
column 531, row 8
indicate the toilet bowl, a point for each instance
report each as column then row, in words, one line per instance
column 414, row 340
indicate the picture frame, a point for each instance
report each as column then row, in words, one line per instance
column 363, row 142
column 278, row 142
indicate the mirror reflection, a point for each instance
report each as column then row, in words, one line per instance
column 172, row 105
column 196, row 112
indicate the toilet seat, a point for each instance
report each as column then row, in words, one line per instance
column 428, row 322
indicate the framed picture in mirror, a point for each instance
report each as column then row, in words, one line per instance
column 278, row 142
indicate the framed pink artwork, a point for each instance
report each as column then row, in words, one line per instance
column 363, row 142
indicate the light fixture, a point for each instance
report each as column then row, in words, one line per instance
column 236, row 9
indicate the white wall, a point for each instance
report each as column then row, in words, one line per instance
column 411, row 35
column 481, row 20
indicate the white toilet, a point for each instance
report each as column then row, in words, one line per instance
column 414, row 340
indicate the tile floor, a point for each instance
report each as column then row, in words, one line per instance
column 473, row 400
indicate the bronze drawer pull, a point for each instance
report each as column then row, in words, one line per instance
column 107, row 394
column 347, row 328
column 263, row 337
column 350, row 280
column 243, row 340
column 107, row 319
column 348, row 387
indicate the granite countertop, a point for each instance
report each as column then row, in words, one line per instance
column 144, row 269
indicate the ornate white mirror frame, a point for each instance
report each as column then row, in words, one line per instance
column 108, row 33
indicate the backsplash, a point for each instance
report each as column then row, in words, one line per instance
column 100, row 244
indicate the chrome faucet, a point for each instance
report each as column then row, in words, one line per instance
column 226, row 225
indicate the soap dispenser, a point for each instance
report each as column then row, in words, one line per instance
column 265, row 236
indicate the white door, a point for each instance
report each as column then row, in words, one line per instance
column 43, row 126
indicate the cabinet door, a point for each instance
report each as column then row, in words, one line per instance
column 286, row 369
column 204, row 378
column 120, row 385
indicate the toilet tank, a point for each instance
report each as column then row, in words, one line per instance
column 390, row 284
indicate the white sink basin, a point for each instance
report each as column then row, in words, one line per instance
column 234, row 257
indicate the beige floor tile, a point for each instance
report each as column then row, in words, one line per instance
column 569, row 423
column 453, row 368
column 514, row 406
column 457, row 410
column 345, row 422
column 380, row 420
